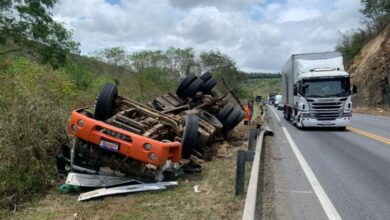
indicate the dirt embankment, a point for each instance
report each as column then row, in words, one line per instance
column 370, row 71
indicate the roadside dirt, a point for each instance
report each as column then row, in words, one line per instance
column 370, row 71
column 381, row 111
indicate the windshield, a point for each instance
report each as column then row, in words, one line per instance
column 326, row 87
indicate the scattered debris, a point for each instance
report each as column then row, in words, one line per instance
column 125, row 189
column 196, row 189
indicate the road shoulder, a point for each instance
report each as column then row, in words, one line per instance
column 294, row 197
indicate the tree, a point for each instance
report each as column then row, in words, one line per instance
column 148, row 59
column 182, row 60
column 29, row 26
column 376, row 11
column 223, row 68
column 216, row 61
column 115, row 56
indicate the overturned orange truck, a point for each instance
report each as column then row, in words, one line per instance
column 119, row 136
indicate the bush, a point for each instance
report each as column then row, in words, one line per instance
column 350, row 44
column 34, row 108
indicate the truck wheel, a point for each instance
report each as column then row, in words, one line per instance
column 193, row 88
column 190, row 136
column 106, row 101
column 184, row 84
column 233, row 119
column 206, row 76
column 211, row 119
column 285, row 113
column 209, row 85
column 225, row 112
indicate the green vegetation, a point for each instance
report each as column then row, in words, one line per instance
column 262, row 87
column 29, row 27
column 377, row 16
column 35, row 102
column 263, row 75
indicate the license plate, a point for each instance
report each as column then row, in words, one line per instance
column 109, row 145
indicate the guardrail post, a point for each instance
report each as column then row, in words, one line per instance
column 240, row 171
column 252, row 138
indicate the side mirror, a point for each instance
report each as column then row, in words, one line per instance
column 354, row 89
column 295, row 91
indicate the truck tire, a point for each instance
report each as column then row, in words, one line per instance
column 209, row 85
column 225, row 112
column 184, row 84
column 233, row 119
column 106, row 101
column 193, row 88
column 211, row 119
column 190, row 136
column 206, row 76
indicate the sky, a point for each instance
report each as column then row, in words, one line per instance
column 259, row 35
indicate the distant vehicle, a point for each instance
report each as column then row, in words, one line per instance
column 316, row 90
column 258, row 98
column 279, row 102
column 271, row 98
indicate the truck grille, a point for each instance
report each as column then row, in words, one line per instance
column 324, row 111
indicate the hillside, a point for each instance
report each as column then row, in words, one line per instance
column 370, row 71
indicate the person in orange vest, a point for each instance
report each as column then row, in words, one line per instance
column 248, row 112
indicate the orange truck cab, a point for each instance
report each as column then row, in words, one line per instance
column 123, row 142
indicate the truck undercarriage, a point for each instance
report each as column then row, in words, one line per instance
column 152, row 142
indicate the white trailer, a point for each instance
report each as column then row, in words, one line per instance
column 316, row 90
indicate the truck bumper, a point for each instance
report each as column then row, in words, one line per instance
column 310, row 122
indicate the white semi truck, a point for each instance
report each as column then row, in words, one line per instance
column 316, row 90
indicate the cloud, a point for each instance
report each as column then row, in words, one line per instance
column 259, row 35
column 222, row 4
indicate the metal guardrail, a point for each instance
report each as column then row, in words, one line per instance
column 251, row 195
column 256, row 139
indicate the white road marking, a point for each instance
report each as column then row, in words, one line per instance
column 276, row 114
column 326, row 203
column 296, row 191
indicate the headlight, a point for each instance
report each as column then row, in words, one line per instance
column 147, row 146
column 152, row 156
column 73, row 128
column 80, row 123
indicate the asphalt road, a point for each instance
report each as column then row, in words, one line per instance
column 352, row 170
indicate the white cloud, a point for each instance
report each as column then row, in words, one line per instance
column 258, row 35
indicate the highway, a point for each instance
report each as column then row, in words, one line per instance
column 328, row 174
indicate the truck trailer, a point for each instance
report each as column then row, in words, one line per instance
column 316, row 90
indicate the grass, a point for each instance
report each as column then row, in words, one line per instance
column 215, row 201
